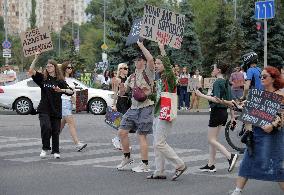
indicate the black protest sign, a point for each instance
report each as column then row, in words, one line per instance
column 37, row 39
column 261, row 107
column 164, row 25
column 135, row 32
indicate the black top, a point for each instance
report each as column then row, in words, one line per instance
column 50, row 102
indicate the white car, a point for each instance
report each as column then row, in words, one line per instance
column 24, row 96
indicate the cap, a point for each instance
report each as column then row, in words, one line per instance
column 140, row 56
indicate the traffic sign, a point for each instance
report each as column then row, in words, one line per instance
column 6, row 44
column 104, row 46
column 264, row 10
column 6, row 53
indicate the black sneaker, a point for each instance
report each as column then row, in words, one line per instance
column 232, row 162
column 206, row 168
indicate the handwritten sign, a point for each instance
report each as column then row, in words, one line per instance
column 81, row 100
column 37, row 39
column 113, row 118
column 261, row 107
column 3, row 78
column 135, row 32
column 193, row 84
column 164, row 25
column 102, row 65
column 208, row 82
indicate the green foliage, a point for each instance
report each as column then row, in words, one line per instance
column 33, row 14
column 190, row 45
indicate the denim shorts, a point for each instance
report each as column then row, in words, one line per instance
column 66, row 107
column 138, row 120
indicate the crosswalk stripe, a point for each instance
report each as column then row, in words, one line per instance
column 219, row 166
column 115, row 158
column 17, row 139
column 65, row 147
column 15, row 145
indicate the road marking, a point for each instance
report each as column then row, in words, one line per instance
column 115, row 158
column 65, row 147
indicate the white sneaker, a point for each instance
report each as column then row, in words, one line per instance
column 141, row 168
column 235, row 192
column 56, row 155
column 80, row 146
column 43, row 154
column 125, row 164
column 116, row 143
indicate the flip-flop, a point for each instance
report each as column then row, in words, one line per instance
column 156, row 177
column 178, row 173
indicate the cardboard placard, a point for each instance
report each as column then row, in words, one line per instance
column 81, row 100
column 102, row 65
column 261, row 107
column 3, row 78
column 193, row 84
column 38, row 39
column 208, row 82
column 164, row 25
column 135, row 32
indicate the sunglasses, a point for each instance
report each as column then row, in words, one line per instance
column 68, row 67
column 264, row 76
column 49, row 66
column 125, row 68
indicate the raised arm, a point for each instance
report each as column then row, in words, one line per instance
column 32, row 67
column 147, row 54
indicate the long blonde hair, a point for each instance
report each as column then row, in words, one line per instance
column 58, row 73
column 121, row 65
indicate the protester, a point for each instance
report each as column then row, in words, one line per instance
column 195, row 99
column 237, row 81
column 267, row 160
column 252, row 73
column 140, row 116
column 106, row 80
column 52, row 85
column 67, row 105
column 122, row 100
column 218, row 118
column 183, row 94
column 166, row 83
column 11, row 75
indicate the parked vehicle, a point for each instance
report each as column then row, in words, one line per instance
column 24, row 97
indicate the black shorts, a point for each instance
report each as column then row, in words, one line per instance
column 218, row 116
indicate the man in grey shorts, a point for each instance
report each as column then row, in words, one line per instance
column 140, row 116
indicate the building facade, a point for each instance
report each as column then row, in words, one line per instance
column 51, row 13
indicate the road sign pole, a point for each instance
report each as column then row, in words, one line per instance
column 265, row 42
column 6, row 25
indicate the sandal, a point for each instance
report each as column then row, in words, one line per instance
column 178, row 173
column 156, row 177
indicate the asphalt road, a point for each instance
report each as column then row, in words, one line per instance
column 93, row 171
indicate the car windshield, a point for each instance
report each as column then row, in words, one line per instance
column 80, row 84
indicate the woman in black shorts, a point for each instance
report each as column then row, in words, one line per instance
column 218, row 118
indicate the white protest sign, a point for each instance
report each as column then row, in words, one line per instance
column 193, row 84
column 37, row 39
column 164, row 25
column 208, row 82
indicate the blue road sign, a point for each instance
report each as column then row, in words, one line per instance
column 6, row 44
column 264, row 10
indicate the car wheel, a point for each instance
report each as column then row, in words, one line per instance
column 97, row 106
column 23, row 106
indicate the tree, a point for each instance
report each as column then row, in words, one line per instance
column 33, row 15
column 190, row 53
column 120, row 24
column 253, row 38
